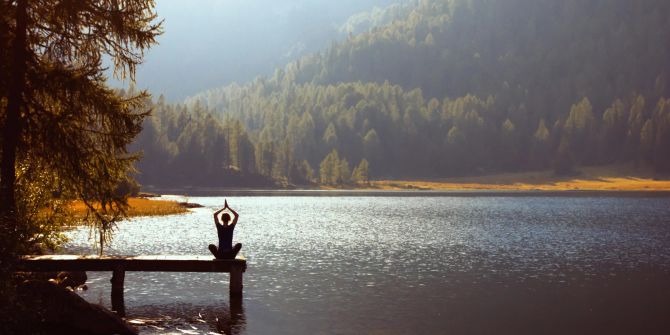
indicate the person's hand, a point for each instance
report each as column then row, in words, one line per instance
column 225, row 204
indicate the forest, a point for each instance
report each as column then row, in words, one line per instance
column 438, row 88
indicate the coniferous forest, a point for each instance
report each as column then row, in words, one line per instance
column 436, row 89
column 488, row 154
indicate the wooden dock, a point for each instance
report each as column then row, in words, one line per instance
column 118, row 265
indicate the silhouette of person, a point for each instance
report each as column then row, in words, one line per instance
column 225, row 232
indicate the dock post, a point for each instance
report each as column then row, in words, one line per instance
column 118, row 277
column 236, row 281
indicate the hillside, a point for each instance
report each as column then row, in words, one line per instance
column 216, row 42
column 447, row 88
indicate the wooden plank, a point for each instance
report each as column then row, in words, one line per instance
column 120, row 264
column 118, row 304
column 147, row 263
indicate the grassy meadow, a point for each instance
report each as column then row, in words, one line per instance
column 609, row 178
column 142, row 207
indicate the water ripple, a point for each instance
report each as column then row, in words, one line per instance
column 391, row 265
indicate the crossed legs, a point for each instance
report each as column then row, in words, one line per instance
column 225, row 253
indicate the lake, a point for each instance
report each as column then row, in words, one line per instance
column 390, row 264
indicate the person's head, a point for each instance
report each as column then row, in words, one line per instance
column 225, row 218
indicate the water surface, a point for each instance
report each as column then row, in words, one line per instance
column 408, row 265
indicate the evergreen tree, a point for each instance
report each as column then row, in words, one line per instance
column 490, row 109
column 306, row 171
column 59, row 112
column 361, row 174
column 344, row 172
column 329, row 169
column 540, row 146
column 579, row 130
column 330, row 136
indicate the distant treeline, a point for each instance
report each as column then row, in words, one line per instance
column 455, row 88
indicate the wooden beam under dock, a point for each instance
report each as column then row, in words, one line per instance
column 118, row 265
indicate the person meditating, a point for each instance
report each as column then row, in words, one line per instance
column 225, row 232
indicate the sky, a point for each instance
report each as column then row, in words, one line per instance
column 211, row 43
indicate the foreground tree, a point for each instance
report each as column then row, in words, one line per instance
column 56, row 111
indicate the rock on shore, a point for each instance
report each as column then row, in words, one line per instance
column 53, row 308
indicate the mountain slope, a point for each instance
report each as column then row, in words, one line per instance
column 216, row 42
column 464, row 87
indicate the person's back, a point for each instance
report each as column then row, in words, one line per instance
column 225, row 250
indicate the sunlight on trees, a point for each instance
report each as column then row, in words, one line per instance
column 59, row 115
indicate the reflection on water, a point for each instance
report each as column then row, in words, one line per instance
column 398, row 265
column 190, row 319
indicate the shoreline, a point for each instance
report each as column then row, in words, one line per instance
column 414, row 193
column 614, row 180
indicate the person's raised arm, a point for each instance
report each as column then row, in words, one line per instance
column 234, row 214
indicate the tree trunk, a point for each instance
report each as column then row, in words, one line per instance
column 11, row 129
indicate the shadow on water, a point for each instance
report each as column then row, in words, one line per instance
column 190, row 319
column 611, row 303
column 607, row 301
column 234, row 322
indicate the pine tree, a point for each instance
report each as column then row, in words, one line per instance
column 579, row 131
column 306, row 171
column 330, row 136
column 361, row 174
column 329, row 169
column 344, row 172
column 58, row 109
column 539, row 153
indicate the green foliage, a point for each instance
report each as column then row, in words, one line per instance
column 301, row 174
column 43, row 207
column 330, row 136
column 361, row 174
column 59, row 115
column 329, row 169
column 451, row 87
column 188, row 146
column 541, row 133
column 540, row 147
column 344, row 173
column 484, row 48
column 579, row 130
column 452, row 137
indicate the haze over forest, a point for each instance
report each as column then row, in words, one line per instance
column 217, row 42
column 339, row 92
